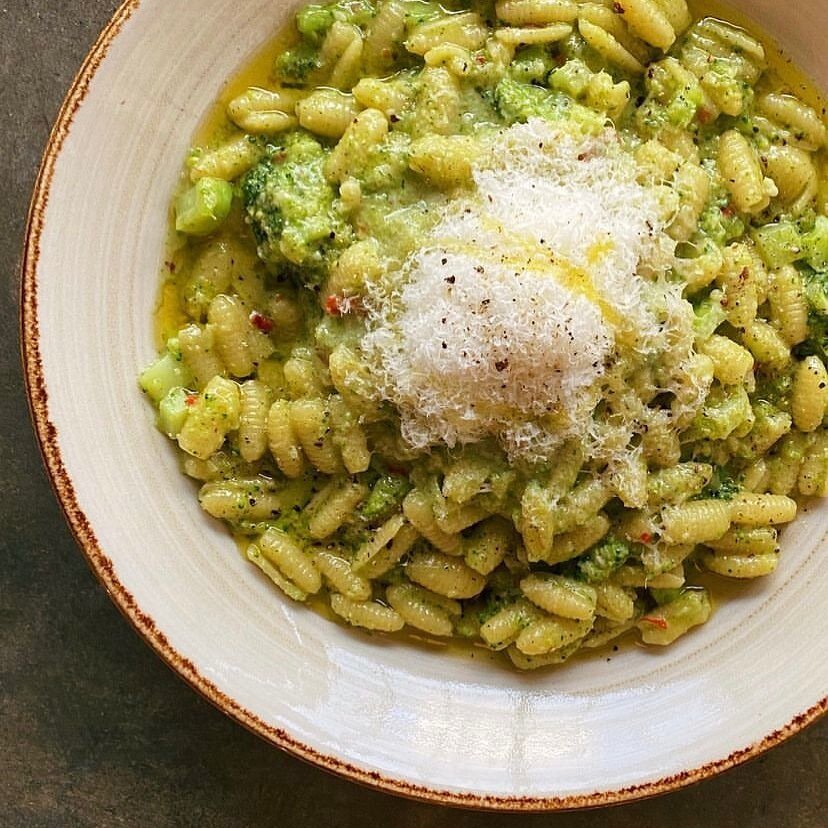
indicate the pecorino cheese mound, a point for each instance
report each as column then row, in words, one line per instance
column 503, row 322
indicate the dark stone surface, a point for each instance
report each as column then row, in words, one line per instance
column 94, row 730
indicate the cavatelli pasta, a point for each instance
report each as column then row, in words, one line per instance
column 363, row 363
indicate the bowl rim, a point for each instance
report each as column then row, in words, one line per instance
column 102, row 566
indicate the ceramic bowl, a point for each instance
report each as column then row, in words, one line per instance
column 406, row 719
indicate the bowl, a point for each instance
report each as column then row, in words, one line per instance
column 407, row 719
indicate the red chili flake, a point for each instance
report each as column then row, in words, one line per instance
column 399, row 471
column 343, row 305
column 661, row 623
column 333, row 306
column 264, row 324
column 191, row 400
column 618, row 8
column 480, row 59
column 728, row 211
column 646, row 537
column 704, row 115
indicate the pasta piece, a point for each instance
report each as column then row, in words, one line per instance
column 789, row 308
column 241, row 500
column 212, row 415
column 229, row 161
column 199, row 353
column 571, row 544
column 537, row 521
column 549, row 634
column 488, row 545
column 536, row 12
column 552, row 33
column 647, row 20
column 423, row 609
column 388, row 96
column 535, row 662
column 809, row 396
column 340, row 55
column 464, row 29
column 368, row 129
column 794, row 173
column 384, row 33
column 368, row 614
column 444, row 575
column 253, row 416
column 381, row 538
column 628, row 478
column 282, row 440
column 240, row 346
column 338, row 574
column 338, row 505
column 609, row 48
column 583, row 503
column 762, row 509
column 766, row 344
column 561, row 596
column 677, row 13
column 677, row 484
column 304, row 375
column 285, row 554
column 327, row 112
column 437, row 105
column 664, row 625
column 698, row 521
column 741, row 567
column 739, row 167
column 731, row 362
column 373, row 564
column 311, row 423
column 743, row 541
column 692, row 185
column 264, row 111
column 255, row 556
column 793, row 121
column 420, row 512
column 210, row 275
column 502, row 628
column 614, row 602
column 444, row 161
column 349, row 437
column 784, row 468
column 738, row 279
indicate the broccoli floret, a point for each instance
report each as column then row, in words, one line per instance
column 293, row 210
column 602, row 560
column 294, row 65
column 722, row 486
column 719, row 221
column 387, row 494
column 532, row 64
column 517, row 102
column 313, row 21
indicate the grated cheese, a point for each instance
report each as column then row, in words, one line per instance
column 503, row 322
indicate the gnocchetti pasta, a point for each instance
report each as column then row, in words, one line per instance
column 503, row 321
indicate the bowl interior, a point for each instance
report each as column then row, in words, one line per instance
column 409, row 718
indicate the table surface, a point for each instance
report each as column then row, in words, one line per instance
column 94, row 729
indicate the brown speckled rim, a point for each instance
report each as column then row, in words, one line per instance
column 102, row 566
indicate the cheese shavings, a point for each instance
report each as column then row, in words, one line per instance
column 503, row 322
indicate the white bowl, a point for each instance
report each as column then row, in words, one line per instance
column 402, row 718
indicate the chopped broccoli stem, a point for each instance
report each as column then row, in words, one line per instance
column 201, row 209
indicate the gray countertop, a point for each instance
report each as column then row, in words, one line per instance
column 94, row 729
